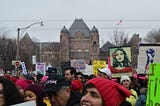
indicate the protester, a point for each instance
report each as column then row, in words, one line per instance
column 70, row 74
column 103, row 92
column 51, row 72
column 35, row 92
column 125, row 81
column 104, row 73
column 39, row 77
column 142, row 97
column 79, row 76
column 60, row 93
column 22, row 84
column 9, row 94
column 135, row 85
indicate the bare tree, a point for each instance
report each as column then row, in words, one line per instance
column 153, row 36
column 4, row 33
column 119, row 38
column 7, row 49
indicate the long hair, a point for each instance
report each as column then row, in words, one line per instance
column 11, row 94
column 124, row 63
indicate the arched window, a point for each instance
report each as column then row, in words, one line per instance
column 94, row 43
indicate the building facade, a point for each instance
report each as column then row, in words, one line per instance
column 79, row 42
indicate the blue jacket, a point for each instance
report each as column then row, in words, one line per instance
column 141, row 100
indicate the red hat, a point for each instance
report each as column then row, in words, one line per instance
column 23, row 83
column 76, row 85
column 14, row 79
column 113, row 93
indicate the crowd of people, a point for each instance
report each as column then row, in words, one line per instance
column 72, row 89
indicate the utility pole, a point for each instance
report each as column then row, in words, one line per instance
column 18, row 30
column 17, row 56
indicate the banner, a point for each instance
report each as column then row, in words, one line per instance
column 148, row 53
column 120, row 61
column 153, row 94
column 78, row 64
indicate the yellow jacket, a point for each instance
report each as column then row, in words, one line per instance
column 133, row 97
column 47, row 101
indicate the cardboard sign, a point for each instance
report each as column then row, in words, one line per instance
column 24, row 68
column 41, row 68
column 29, row 103
column 98, row 64
column 148, row 53
column 153, row 94
column 78, row 64
column 120, row 61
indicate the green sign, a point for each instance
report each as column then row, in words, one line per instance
column 153, row 94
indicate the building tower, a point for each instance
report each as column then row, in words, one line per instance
column 64, row 44
column 94, row 44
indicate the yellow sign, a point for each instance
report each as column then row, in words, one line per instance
column 98, row 64
column 153, row 94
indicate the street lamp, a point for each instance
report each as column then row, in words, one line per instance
column 17, row 55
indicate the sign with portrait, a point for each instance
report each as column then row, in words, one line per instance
column 120, row 61
column 148, row 53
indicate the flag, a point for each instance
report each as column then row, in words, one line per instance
column 119, row 22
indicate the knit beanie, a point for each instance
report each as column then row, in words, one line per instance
column 37, row 90
column 124, row 78
column 23, row 83
column 76, row 85
column 44, row 79
column 14, row 79
column 112, row 93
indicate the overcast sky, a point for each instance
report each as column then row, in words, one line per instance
column 138, row 16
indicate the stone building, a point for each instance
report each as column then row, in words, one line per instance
column 79, row 42
column 27, row 49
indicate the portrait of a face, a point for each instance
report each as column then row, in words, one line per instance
column 119, row 55
column 120, row 59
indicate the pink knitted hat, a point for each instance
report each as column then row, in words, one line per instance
column 44, row 79
column 76, row 85
column 113, row 93
column 23, row 83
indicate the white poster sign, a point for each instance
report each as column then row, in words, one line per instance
column 41, row 68
column 148, row 53
column 29, row 103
